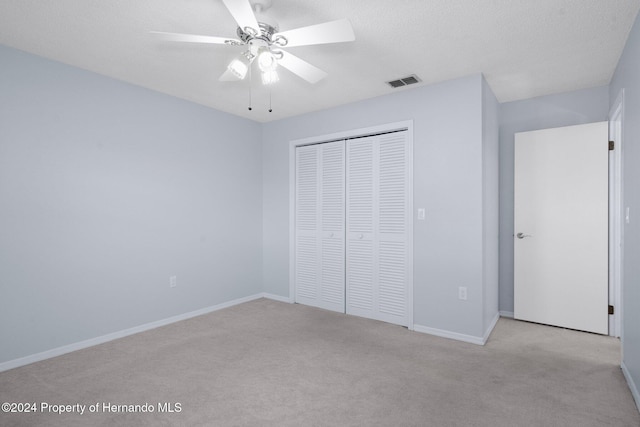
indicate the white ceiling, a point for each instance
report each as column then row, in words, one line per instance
column 525, row 48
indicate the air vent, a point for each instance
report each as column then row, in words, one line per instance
column 405, row 81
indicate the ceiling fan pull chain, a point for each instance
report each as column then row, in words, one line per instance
column 270, row 109
column 250, row 84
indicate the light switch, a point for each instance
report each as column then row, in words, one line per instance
column 627, row 218
column 421, row 213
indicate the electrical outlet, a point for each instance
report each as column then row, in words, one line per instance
column 462, row 293
column 173, row 281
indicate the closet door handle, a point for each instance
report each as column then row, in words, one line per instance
column 360, row 236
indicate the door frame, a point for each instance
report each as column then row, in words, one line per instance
column 616, row 209
column 348, row 134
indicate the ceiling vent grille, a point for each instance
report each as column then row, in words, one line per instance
column 405, row 81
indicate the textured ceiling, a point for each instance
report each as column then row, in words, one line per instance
column 525, row 48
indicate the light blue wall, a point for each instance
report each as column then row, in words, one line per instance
column 106, row 190
column 565, row 109
column 490, row 202
column 448, row 149
column 627, row 77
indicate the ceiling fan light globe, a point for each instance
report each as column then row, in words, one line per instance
column 267, row 61
column 238, row 68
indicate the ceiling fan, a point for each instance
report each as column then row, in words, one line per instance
column 260, row 33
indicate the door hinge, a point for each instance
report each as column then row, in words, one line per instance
column 611, row 145
column 611, row 309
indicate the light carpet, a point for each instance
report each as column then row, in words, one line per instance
column 267, row 363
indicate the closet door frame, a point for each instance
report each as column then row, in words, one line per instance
column 385, row 128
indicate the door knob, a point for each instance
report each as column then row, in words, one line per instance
column 522, row 235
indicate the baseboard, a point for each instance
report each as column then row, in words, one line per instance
column 276, row 297
column 451, row 335
column 460, row 337
column 15, row 363
column 493, row 324
column 508, row 314
column 631, row 384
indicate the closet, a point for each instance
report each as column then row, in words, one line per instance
column 353, row 226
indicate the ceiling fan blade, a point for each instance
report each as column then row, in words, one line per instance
column 243, row 14
column 302, row 68
column 192, row 38
column 329, row 32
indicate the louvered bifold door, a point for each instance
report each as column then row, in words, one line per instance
column 378, row 216
column 332, row 211
column 320, row 226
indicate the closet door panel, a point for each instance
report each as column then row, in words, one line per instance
column 393, row 216
column 377, row 227
column 361, row 269
column 307, row 257
column 320, row 248
column 332, row 194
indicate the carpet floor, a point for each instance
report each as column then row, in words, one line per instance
column 267, row 363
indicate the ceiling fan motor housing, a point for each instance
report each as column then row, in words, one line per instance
column 266, row 33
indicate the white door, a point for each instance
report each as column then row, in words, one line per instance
column 319, row 213
column 378, row 275
column 561, row 227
